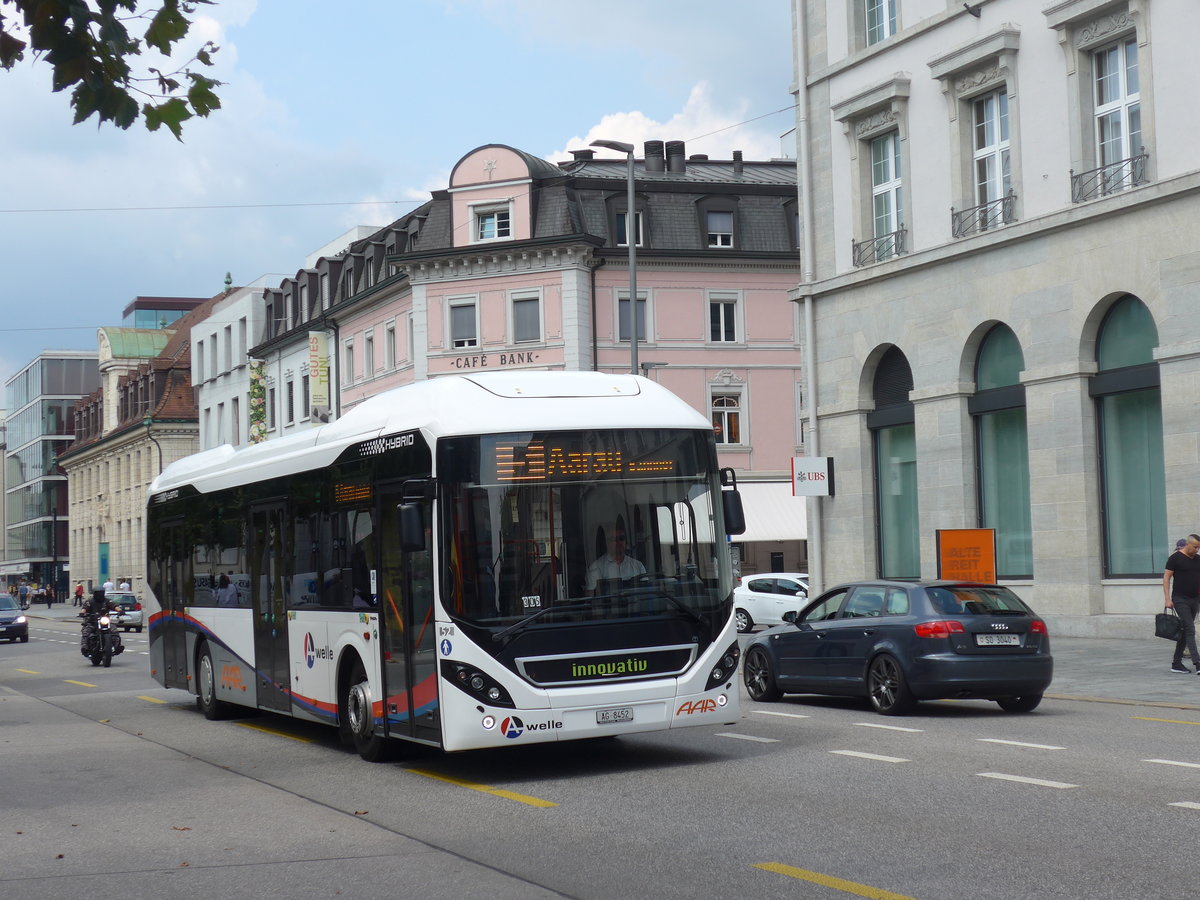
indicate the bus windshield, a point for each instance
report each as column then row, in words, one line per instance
column 553, row 527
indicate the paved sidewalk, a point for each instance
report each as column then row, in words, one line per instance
column 1112, row 670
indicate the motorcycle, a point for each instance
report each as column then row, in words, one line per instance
column 100, row 641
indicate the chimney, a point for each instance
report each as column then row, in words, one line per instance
column 654, row 156
column 582, row 155
column 676, row 161
column 737, row 162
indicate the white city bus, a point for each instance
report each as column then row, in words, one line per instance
column 441, row 565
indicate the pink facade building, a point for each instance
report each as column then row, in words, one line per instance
column 520, row 263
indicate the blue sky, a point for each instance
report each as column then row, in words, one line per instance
column 364, row 105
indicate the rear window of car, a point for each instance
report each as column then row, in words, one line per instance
column 123, row 599
column 977, row 600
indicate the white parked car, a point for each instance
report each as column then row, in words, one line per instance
column 763, row 599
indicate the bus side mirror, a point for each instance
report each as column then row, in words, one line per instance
column 412, row 527
column 735, row 516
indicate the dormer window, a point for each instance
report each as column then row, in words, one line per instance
column 720, row 228
column 622, row 240
column 492, row 223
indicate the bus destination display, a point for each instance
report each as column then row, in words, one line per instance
column 539, row 461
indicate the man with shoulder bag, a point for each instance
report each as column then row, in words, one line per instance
column 1181, row 592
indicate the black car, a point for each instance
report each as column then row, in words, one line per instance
column 899, row 642
column 13, row 624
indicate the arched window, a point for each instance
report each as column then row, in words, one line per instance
column 895, row 449
column 1129, row 417
column 1002, row 451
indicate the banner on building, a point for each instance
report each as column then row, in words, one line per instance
column 318, row 376
column 258, row 401
column 812, row 476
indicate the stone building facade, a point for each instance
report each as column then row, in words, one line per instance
column 1003, row 280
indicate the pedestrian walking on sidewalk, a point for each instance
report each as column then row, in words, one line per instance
column 1181, row 592
column 79, row 594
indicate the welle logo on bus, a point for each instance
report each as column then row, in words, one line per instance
column 543, row 461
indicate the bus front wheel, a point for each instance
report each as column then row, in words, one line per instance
column 358, row 719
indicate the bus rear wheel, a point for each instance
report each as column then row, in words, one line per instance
column 206, row 688
column 358, row 720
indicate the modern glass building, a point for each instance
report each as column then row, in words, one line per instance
column 158, row 312
column 40, row 400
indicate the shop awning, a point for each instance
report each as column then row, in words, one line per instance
column 772, row 513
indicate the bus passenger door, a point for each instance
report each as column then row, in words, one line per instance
column 168, row 571
column 409, row 634
column 267, row 588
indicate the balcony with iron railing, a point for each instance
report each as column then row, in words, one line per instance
column 984, row 217
column 1110, row 179
column 886, row 246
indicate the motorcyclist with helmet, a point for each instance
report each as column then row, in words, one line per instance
column 92, row 610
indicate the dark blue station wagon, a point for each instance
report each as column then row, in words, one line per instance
column 899, row 642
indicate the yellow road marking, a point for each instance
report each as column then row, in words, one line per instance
column 29, row 671
column 1168, row 721
column 487, row 789
column 838, row 884
column 284, row 734
column 150, row 699
column 80, row 683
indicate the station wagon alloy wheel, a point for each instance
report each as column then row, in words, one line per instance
column 759, row 679
column 886, row 687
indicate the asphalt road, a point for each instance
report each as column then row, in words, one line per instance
column 115, row 787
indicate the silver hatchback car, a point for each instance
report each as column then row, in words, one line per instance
column 128, row 614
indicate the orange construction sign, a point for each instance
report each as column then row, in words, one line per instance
column 967, row 554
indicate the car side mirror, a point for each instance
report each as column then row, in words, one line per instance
column 790, row 616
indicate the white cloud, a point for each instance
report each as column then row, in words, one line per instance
column 705, row 128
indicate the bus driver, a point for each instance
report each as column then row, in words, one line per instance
column 614, row 564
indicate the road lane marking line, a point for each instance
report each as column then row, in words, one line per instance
column 264, row 730
column 747, row 737
column 875, row 756
column 150, row 699
column 1040, row 782
column 770, row 712
column 1019, row 744
column 1172, row 762
column 486, row 789
column 29, row 671
column 1168, row 721
column 889, row 727
column 1186, row 804
column 837, row 884
column 80, row 683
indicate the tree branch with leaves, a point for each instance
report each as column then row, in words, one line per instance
column 89, row 46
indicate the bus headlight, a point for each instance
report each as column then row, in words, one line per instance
column 726, row 666
column 478, row 685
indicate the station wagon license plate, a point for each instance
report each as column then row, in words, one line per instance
column 998, row 640
column 618, row 714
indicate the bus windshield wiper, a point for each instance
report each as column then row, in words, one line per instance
column 518, row 627
column 682, row 607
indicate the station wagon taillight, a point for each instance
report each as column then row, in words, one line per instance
column 1037, row 626
column 941, row 629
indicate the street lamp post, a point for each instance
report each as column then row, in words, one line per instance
column 53, row 534
column 631, row 240
column 148, row 421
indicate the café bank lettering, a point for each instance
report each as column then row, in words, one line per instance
column 486, row 360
